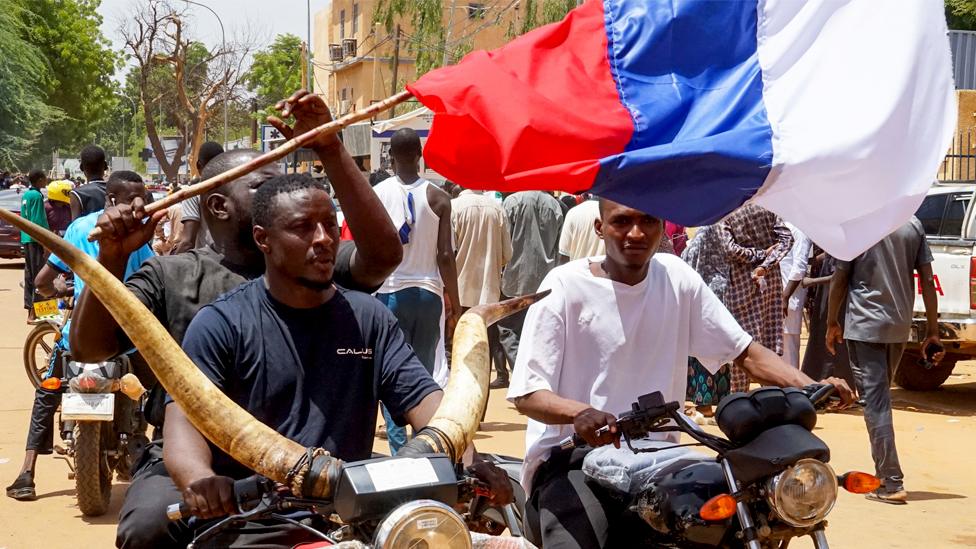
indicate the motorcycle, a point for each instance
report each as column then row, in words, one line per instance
column 385, row 503
column 769, row 482
column 102, row 434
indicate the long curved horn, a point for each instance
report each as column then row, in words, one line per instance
column 456, row 421
column 216, row 416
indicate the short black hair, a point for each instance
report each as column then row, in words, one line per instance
column 207, row 152
column 405, row 141
column 226, row 161
column 121, row 178
column 92, row 156
column 263, row 207
column 378, row 177
column 36, row 176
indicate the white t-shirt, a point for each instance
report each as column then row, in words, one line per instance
column 578, row 238
column 793, row 266
column 606, row 343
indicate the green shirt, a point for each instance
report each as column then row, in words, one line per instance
column 32, row 209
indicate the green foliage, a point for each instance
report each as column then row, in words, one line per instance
column 427, row 43
column 961, row 14
column 81, row 63
column 23, row 70
column 276, row 72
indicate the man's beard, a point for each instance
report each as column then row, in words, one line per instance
column 315, row 284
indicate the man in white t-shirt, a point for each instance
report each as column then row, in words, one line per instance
column 614, row 328
column 578, row 239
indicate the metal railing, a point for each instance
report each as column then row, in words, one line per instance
column 959, row 163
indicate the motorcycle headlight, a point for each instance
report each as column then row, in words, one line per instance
column 803, row 494
column 422, row 524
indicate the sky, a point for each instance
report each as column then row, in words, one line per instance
column 265, row 18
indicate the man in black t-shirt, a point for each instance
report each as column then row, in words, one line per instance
column 264, row 345
column 90, row 197
column 175, row 287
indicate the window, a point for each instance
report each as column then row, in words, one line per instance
column 355, row 19
column 343, row 94
column 342, row 24
column 931, row 211
column 944, row 214
column 955, row 214
column 476, row 10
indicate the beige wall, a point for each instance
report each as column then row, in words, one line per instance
column 368, row 77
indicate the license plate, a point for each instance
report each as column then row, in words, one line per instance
column 46, row 309
column 92, row 407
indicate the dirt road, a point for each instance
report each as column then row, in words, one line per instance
column 936, row 437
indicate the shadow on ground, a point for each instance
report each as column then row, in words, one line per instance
column 955, row 399
column 914, row 495
column 112, row 515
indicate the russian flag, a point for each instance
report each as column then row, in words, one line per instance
column 835, row 114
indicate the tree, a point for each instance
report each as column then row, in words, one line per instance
column 197, row 79
column 81, row 62
column 275, row 72
column 23, row 112
column 961, row 14
column 427, row 20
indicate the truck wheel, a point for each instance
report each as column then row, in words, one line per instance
column 93, row 477
column 912, row 377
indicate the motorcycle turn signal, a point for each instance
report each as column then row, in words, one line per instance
column 718, row 508
column 857, row 482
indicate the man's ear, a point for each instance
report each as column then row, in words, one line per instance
column 598, row 227
column 261, row 238
column 217, row 205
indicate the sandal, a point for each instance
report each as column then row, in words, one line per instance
column 23, row 488
column 892, row 498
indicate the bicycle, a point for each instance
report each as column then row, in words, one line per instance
column 41, row 343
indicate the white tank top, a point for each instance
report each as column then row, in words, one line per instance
column 417, row 223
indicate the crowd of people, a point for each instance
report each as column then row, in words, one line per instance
column 268, row 293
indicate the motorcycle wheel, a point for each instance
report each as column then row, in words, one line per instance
column 37, row 351
column 93, row 476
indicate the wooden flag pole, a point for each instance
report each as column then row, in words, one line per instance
column 286, row 148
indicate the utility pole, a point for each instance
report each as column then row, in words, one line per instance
column 396, row 66
column 308, row 43
column 447, row 38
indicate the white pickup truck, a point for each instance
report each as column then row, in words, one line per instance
column 949, row 217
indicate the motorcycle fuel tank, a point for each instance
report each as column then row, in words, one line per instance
column 673, row 499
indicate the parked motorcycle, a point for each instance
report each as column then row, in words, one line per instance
column 102, row 434
column 769, row 483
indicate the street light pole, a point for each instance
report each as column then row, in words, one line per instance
column 308, row 42
column 134, row 109
column 223, row 46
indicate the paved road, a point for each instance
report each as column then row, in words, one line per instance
column 936, row 434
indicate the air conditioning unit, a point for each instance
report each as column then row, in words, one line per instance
column 335, row 53
column 349, row 47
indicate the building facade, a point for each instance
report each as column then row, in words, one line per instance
column 354, row 58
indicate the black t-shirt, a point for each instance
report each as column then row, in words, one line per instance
column 175, row 287
column 91, row 195
column 314, row 375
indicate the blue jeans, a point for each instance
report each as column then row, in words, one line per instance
column 419, row 313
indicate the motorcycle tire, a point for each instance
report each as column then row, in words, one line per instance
column 93, row 475
column 36, row 346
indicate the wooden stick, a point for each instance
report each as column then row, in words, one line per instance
column 287, row 147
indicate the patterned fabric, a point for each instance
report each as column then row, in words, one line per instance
column 705, row 389
column 706, row 254
column 755, row 238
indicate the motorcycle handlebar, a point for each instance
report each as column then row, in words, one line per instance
column 247, row 492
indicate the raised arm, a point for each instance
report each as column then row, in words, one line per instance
column 95, row 335
column 378, row 249
column 739, row 253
